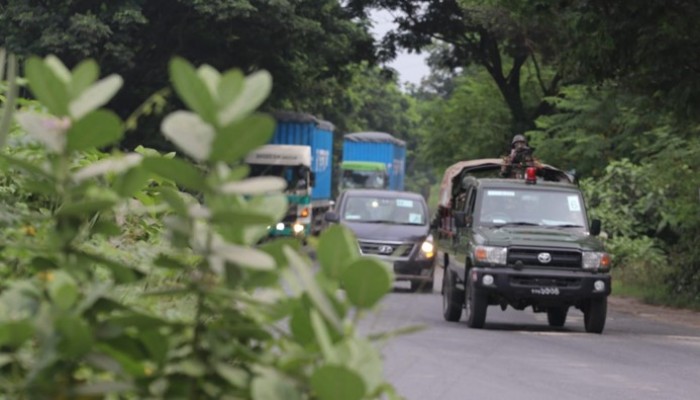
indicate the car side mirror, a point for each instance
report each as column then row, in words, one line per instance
column 331, row 216
column 595, row 227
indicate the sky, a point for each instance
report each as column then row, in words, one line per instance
column 411, row 67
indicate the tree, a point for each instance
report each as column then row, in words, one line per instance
column 305, row 44
column 500, row 36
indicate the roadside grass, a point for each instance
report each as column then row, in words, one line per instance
column 651, row 293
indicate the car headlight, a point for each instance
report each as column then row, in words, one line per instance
column 491, row 254
column 428, row 247
column 596, row 260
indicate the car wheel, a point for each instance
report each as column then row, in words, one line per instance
column 556, row 316
column 452, row 299
column 476, row 304
column 594, row 315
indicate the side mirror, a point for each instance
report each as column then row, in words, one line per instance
column 331, row 216
column 595, row 227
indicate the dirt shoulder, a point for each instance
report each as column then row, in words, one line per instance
column 629, row 305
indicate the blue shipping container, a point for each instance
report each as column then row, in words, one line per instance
column 379, row 147
column 307, row 130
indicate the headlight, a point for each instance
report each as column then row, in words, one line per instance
column 596, row 260
column 491, row 254
column 428, row 248
column 298, row 228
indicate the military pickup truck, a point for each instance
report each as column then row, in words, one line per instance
column 524, row 242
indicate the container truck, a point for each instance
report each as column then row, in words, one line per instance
column 373, row 160
column 300, row 151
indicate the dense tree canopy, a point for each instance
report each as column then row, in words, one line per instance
column 305, row 44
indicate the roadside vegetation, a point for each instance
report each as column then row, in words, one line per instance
column 101, row 233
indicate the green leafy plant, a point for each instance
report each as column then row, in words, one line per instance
column 201, row 310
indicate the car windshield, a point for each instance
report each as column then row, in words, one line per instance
column 391, row 210
column 531, row 207
column 293, row 174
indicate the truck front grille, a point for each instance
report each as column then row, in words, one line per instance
column 531, row 281
column 558, row 258
column 393, row 249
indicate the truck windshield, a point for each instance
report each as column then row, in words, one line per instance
column 295, row 175
column 390, row 210
column 363, row 179
column 531, row 207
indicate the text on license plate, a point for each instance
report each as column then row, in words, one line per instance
column 551, row 291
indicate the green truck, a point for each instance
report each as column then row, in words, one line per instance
column 519, row 243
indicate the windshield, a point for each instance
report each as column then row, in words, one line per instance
column 396, row 210
column 295, row 175
column 363, row 179
column 531, row 207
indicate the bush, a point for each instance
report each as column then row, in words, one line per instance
column 120, row 285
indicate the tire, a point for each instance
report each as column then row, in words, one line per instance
column 476, row 304
column 594, row 315
column 556, row 316
column 452, row 299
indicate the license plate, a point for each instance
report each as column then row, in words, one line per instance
column 546, row 291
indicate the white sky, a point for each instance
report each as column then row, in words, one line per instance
column 411, row 67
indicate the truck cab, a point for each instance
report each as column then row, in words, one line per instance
column 525, row 243
column 293, row 164
column 363, row 175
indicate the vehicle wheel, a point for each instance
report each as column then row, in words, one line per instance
column 556, row 316
column 594, row 315
column 476, row 304
column 452, row 299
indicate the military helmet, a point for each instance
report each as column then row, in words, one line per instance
column 518, row 138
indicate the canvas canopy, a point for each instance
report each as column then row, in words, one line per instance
column 454, row 172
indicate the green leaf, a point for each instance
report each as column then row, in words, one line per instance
column 120, row 272
column 337, row 248
column 156, row 343
column 76, row 337
column 174, row 200
column 97, row 129
column 63, row 290
column 336, row 382
column 316, row 294
column 43, row 264
column 235, row 376
column 166, row 261
column 189, row 133
column 95, row 96
column 300, row 325
column 210, row 76
column 106, row 228
column 271, row 386
column 14, row 333
column 132, row 181
column 230, row 86
column 84, row 75
column 366, row 281
column 47, row 86
column 27, row 166
column 177, row 170
column 91, row 390
column 58, row 68
column 85, row 207
column 241, row 137
column 192, row 90
column 255, row 90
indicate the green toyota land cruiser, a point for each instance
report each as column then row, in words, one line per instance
column 528, row 243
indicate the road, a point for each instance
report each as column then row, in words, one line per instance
column 518, row 356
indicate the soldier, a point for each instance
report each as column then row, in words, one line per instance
column 520, row 156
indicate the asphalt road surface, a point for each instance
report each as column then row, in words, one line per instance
column 518, row 356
